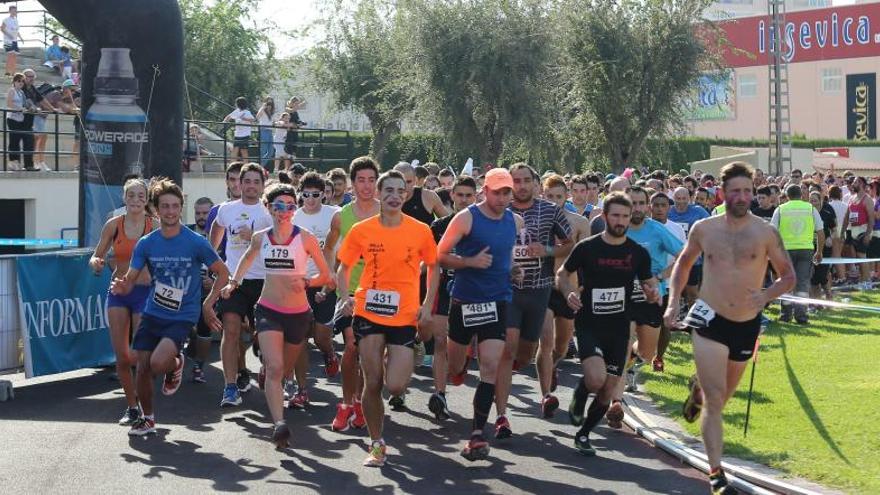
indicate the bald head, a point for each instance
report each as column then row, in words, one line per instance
column 619, row 184
column 409, row 174
column 682, row 198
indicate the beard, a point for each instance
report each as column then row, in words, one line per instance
column 201, row 223
column 637, row 218
column 738, row 210
column 617, row 231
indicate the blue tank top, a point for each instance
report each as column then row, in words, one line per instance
column 473, row 285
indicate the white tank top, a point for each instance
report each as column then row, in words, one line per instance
column 319, row 225
column 288, row 258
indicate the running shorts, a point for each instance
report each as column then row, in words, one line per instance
column 558, row 306
column 527, row 312
column 485, row 320
column 608, row 339
column 243, row 299
column 152, row 330
column 405, row 336
column 294, row 326
column 857, row 242
column 738, row 336
column 323, row 310
column 134, row 300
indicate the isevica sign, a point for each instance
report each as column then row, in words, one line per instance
column 818, row 34
column 861, row 109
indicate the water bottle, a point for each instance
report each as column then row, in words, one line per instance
column 116, row 140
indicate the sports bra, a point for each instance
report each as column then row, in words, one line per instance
column 122, row 245
column 288, row 258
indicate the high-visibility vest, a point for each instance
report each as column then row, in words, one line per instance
column 796, row 226
column 719, row 210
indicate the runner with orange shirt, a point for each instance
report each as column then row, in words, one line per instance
column 386, row 308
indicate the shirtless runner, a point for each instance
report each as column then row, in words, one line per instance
column 726, row 317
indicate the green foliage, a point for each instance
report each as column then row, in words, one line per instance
column 227, row 55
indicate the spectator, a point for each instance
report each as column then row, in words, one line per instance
column 290, row 141
column 193, row 149
column 54, row 56
column 266, row 118
column 282, row 157
column 66, row 63
column 242, row 117
column 11, row 37
column 36, row 122
column 18, row 103
column 69, row 104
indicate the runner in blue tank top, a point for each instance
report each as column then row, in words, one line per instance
column 482, row 237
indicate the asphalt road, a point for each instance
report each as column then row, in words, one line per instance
column 60, row 435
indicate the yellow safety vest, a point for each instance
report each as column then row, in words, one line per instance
column 796, row 226
column 719, row 210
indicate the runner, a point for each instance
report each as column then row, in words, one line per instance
column 559, row 319
column 660, row 204
column 859, row 226
column 661, row 245
column 482, row 237
column 200, row 344
column 363, row 173
column 318, row 219
column 239, row 219
column 725, row 320
column 282, row 316
column 385, row 306
column 464, row 193
column 535, row 250
column 124, row 312
column 606, row 265
column 174, row 256
column 686, row 215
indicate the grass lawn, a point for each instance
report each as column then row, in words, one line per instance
column 816, row 402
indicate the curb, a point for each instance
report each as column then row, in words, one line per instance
column 644, row 418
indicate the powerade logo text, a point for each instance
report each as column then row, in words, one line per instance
column 107, row 136
column 832, row 31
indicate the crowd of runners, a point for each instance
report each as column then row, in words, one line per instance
column 507, row 269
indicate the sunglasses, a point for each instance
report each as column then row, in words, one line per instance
column 282, row 206
column 312, row 194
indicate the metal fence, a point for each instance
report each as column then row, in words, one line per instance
column 53, row 129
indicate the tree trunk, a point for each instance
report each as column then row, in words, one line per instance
column 382, row 133
column 492, row 143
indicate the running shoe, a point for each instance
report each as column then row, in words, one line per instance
column 261, row 378
column 231, row 396
column 438, row 406
column 244, row 380
column 554, row 380
column 173, row 378
column 281, row 436
column 143, row 426
column 342, row 421
column 572, row 350
column 419, row 353
column 549, row 405
column 428, row 361
column 630, row 380
column 614, row 415
column 476, row 449
column 658, row 364
column 458, row 378
column 289, row 388
column 198, row 374
column 376, row 457
column 694, row 403
column 719, row 484
column 397, row 402
column 582, row 444
column 502, row 428
column 331, row 364
column 576, row 408
column 130, row 416
column 300, row 400
column 358, row 420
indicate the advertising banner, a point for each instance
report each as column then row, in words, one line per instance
column 817, row 34
column 861, row 109
column 63, row 313
column 713, row 98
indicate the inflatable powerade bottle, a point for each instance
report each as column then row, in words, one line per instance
column 115, row 140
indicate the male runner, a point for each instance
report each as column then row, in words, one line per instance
column 661, row 245
column 725, row 320
column 660, row 204
column 464, row 193
column 239, row 219
column 858, row 224
column 174, row 256
column 535, row 250
column 584, row 194
column 364, row 172
column 606, row 265
column 200, row 347
column 482, row 238
column 386, row 308
column 317, row 218
column 559, row 320
column 686, row 215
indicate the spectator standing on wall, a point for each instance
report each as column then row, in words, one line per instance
column 266, row 117
column 242, row 117
column 11, row 37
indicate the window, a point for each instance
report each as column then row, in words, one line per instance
column 832, row 79
column 748, row 86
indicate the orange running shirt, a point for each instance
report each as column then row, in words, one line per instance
column 388, row 292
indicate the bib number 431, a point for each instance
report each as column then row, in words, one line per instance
column 382, row 302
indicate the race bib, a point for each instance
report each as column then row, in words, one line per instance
column 473, row 315
column 382, row 302
column 608, row 301
column 700, row 315
column 686, row 227
column 638, row 295
column 523, row 259
column 853, row 217
column 167, row 297
column 278, row 258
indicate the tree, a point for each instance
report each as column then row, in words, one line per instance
column 478, row 69
column 630, row 64
column 358, row 62
column 227, row 55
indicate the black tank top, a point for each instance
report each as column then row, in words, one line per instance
column 415, row 208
